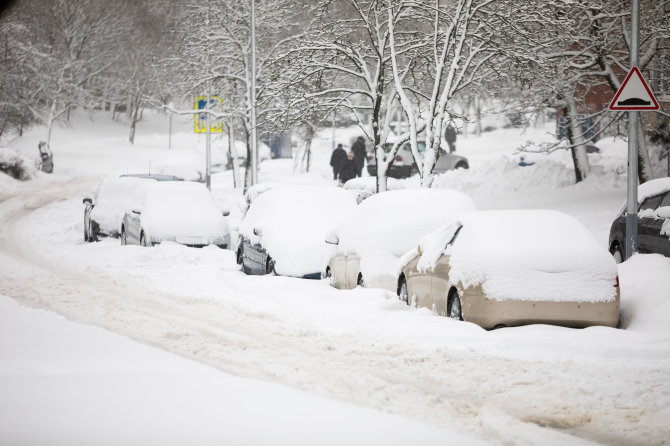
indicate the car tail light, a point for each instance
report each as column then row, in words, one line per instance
column 398, row 158
column 370, row 157
column 616, row 284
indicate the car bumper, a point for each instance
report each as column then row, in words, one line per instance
column 491, row 313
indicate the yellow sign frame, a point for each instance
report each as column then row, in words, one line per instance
column 200, row 119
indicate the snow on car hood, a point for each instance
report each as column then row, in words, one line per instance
column 394, row 221
column 181, row 209
column 533, row 255
column 293, row 222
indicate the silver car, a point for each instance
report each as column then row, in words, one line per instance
column 403, row 165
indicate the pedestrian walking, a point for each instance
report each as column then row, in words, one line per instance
column 349, row 168
column 450, row 136
column 358, row 148
column 338, row 157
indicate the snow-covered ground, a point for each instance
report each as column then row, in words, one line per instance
column 296, row 342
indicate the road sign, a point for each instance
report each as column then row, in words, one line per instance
column 200, row 119
column 634, row 94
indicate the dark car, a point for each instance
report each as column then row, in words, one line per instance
column 653, row 222
column 103, row 213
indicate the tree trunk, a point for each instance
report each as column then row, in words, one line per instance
column 644, row 169
column 232, row 155
column 577, row 144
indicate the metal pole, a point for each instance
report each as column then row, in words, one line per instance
column 208, row 120
column 252, row 72
column 633, row 118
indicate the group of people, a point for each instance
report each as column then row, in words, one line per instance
column 347, row 166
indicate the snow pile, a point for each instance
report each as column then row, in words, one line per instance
column 182, row 210
column 505, row 175
column 533, row 255
column 18, row 165
column 293, row 222
column 393, row 221
column 645, row 308
column 370, row 184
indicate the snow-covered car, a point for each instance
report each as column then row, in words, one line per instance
column 284, row 229
column 516, row 267
column 403, row 165
column 653, row 224
column 383, row 228
column 183, row 212
column 116, row 193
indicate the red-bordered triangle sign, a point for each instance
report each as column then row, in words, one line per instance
column 634, row 94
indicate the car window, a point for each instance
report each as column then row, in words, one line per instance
column 665, row 201
column 651, row 203
column 421, row 145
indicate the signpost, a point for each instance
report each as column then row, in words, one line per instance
column 633, row 96
column 204, row 124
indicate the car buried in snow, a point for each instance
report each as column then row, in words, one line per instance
column 284, row 228
column 653, row 226
column 404, row 166
column 368, row 244
column 116, row 192
column 181, row 212
column 509, row 268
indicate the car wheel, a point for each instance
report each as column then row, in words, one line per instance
column 329, row 276
column 270, row 266
column 454, row 310
column 143, row 241
column 360, row 281
column 402, row 290
column 617, row 253
column 124, row 238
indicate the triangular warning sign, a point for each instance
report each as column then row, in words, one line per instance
column 634, row 94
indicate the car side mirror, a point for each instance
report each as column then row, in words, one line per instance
column 332, row 238
column 258, row 232
column 663, row 212
column 87, row 201
column 225, row 213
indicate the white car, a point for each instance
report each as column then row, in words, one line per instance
column 383, row 228
column 183, row 212
column 117, row 192
column 284, row 229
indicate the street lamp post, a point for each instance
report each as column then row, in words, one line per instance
column 254, row 143
column 633, row 117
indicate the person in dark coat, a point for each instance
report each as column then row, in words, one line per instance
column 450, row 136
column 349, row 168
column 359, row 154
column 338, row 157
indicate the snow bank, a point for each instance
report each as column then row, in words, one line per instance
column 183, row 211
column 18, row 165
column 532, row 255
column 394, row 221
column 293, row 222
column 370, row 184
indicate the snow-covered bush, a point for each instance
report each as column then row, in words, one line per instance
column 18, row 165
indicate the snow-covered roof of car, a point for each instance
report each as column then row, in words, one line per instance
column 394, row 221
column 535, row 255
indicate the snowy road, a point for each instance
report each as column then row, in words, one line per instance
column 361, row 346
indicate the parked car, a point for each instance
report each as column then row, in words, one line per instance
column 403, row 165
column 283, row 230
column 507, row 268
column 653, row 225
column 384, row 227
column 115, row 193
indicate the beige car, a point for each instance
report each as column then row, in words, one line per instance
column 508, row 268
